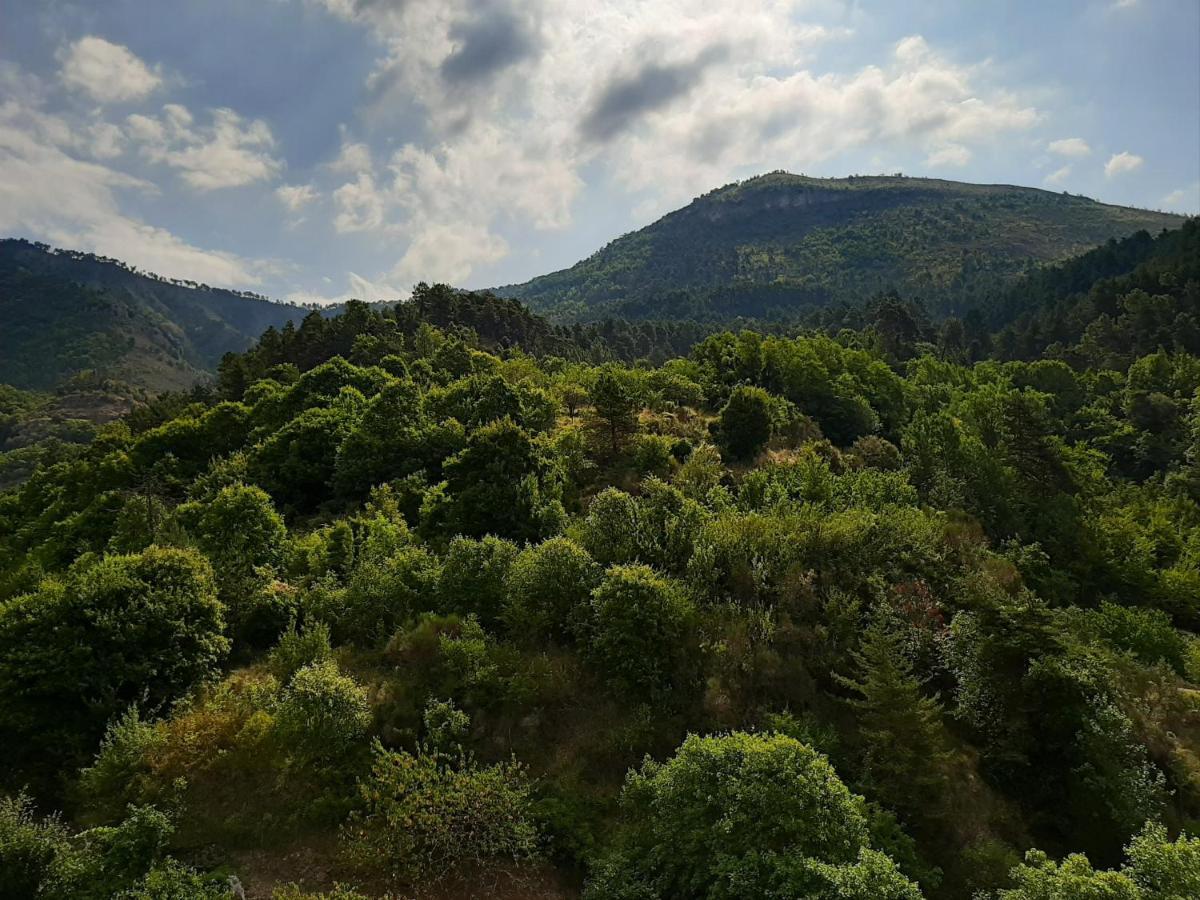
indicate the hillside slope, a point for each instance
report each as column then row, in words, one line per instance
column 64, row 312
column 778, row 243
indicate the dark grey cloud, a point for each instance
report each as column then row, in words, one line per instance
column 627, row 97
column 493, row 40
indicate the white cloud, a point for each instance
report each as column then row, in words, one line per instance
column 360, row 205
column 1120, row 163
column 358, row 288
column 671, row 98
column 105, row 140
column 352, row 159
column 106, row 72
column 1125, row 4
column 1184, row 199
column 295, row 197
column 949, row 155
column 1071, row 147
column 1058, row 176
column 50, row 194
column 228, row 152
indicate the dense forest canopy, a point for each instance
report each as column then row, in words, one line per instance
column 445, row 600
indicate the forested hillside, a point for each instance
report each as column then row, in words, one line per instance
column 445, row 601
column 65, row 313
column 779, row 245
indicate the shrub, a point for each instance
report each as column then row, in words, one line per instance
column 300, row 647
column 746, row 422
column 424, row 815
column 652, row 455
column 322, row 713
column 381, row 595
column 28, row 847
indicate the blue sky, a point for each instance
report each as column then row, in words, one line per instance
column 320, row 149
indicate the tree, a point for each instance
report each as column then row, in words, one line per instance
column 548, row 590
column 239, row 531
column 1157, row 869
column 137, row 630
column 745, row 815
column 616, row 404
column 905, row 746
column 746, row 421
column 474, row 577
column 501, row 483
column 639, row 629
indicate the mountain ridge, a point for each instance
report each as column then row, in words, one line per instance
column 785, row 241
column 67, row 312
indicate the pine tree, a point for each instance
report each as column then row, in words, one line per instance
column 905, row 745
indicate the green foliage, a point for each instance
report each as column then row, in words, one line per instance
column 638, row 633
column 28, row 847
column 427, row 814
column 139, row 629
column 746, row 422
column 549, row 589
column 300, row 647
column 322, row 713
column 904, row 743
column 1158, row 869
column 542, row 557
column 745, row 815
column 615, row 400
column 501, row 483
column 475, row 575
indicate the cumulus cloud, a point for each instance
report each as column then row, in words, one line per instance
column 485, row 44
column 106, row 72
column 1184, row 199
column 1121, row 163
column 295, row 197
column 518, row 100
column 360, row 205
column 1058, row 176
column 49, row 193
column 1070, row 147
column 949, row 155
column 229, row 151
column 628, row 97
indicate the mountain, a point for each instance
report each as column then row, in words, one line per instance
column 64, row 312
column 774, row 245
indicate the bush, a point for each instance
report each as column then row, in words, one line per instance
column 744, row 815
column 300, row 647
column 639, row 629
column 322, row 714
column 428, row 814
column 136, row 630
column 238, row 530
column 652, row 455
column 548, row 590
column 28, row 847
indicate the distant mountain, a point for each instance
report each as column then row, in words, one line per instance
column 63, row 312
column 780, row 243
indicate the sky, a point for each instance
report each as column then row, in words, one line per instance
column 315, row 150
